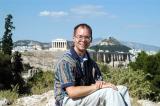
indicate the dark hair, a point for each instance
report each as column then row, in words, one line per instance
column 83, row 25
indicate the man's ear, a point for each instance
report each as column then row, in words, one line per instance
column 73, row 38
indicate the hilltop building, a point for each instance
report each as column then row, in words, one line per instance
column 61, row 44
column 109, row 41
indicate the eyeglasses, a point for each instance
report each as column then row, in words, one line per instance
column 80, row 37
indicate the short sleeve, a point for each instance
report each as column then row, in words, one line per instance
column 65, row 73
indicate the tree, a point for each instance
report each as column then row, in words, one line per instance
column 7, row 43
column 140, row 62
column 153, row 70
column 17, row 64
column 17, row 68
column 6, row 77
column 150, row 65
column 0, row 45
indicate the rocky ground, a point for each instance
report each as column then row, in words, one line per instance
column 47, row 99
column 42, row 59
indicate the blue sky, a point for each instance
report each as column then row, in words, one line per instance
column 45, row 20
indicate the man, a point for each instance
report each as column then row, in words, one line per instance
column 78, row 80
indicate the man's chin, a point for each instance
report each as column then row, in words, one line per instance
column 82, row 49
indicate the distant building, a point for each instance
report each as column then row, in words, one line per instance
column 106, row 42
column 61, row 44
column 109, row 41
column 29, row 47
column 34, row 46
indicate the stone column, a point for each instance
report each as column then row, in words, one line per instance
column 58, row 44
column 62, row 44
column 55, row 44
column 104, row 57
column 65, row 45
column 109, row 57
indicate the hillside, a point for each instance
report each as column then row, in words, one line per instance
column 111, row 44
column 132, row 45
column 145, row 47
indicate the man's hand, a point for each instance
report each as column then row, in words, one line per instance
column 103, row 84
column 109, row 85
column 80, row 91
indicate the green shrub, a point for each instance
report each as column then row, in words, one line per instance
column 150, row 65
column 41, row 82
column 134, row 80
column 11, row 95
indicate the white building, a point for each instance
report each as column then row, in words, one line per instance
column 60, row 44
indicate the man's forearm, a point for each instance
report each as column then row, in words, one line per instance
column 80, row 91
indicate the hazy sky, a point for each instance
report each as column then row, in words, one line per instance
column 45, row 20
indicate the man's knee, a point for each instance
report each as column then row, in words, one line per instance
column 109, row 92
column 122, row 87
column 102, row 93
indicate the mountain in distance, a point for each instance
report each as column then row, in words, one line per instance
column 109, row 44
column 132, row 45
column 96, row 41
column 140, row 46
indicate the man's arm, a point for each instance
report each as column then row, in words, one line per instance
column 80, row 91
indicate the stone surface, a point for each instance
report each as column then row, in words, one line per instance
column 46, row 99
column 4, row 102
column 42, row 59
column 147, row 103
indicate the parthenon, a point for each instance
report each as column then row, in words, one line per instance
column 60, row 44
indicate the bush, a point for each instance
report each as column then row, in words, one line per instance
column 134, row 80
column 11, row 95
column 41, row 82
column 150, row 65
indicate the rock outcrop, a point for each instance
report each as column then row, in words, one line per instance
column 42, row 59
column 46, row 99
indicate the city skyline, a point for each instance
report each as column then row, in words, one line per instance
column 45, row 20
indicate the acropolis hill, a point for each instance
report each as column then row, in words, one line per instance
column 42, row 59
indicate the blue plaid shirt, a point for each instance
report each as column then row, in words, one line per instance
column 72, row 70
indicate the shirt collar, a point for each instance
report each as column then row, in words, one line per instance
column 84, row 58
column 75, row 55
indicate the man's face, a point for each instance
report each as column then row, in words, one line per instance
column 82, row 39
